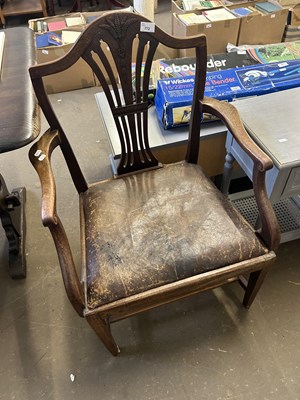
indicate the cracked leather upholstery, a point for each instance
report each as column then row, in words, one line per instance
column 156, row 227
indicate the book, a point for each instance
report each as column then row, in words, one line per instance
column 73, row 21
column 48, row 39
column 241, row 11
column 255, row 10
column 91, row 18
column 278, row 52
column 218, row 14
column 38, row 26
column 267, row 7
column 54, row 38
column 69, row 36
column 192, row 19
column 200, row 4
column 2, row 42
column 41, row 40
column 56, row 25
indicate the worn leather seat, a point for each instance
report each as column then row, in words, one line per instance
column 149, row 229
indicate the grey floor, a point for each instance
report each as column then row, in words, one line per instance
column 205, row 347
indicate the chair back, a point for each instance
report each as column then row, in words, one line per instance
column 124, row 74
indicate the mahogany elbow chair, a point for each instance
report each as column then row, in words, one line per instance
column 154, row 233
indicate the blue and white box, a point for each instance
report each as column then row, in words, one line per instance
column 174, row 96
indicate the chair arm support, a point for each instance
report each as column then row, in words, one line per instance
column 229, row 115
column 70, row 277
column 269, row 231
column 40, row 157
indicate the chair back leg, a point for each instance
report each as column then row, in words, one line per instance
column 255, row 281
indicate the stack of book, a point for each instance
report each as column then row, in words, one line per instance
column 278, row 52
column 200, row 4
column 218, row 14
column 40, row 26
column 192, row 19
column 267, row 8
column 56, row 38
column 242, row 11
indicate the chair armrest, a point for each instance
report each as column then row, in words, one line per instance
column 269, row 231
column 40, row 157
column 227, row 113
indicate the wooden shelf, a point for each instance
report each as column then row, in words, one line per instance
column 22, row 7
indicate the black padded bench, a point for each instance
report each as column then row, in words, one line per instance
column 19, row 125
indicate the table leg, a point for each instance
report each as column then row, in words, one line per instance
column 50, row 7
column 13, row 221
column 76, row 7
column 228, row 166
column 2, row 19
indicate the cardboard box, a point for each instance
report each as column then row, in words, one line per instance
column 186, row 66
column 284, row 75
column 176, row 9
column 38, row 22
column 174, row 96
column 263, row 28
column 173, row 101
column 288, row 3
column 218, row 34
column 80, row 75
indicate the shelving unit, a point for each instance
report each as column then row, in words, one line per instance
column 22, row 7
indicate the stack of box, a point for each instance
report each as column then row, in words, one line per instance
column 256, row 22
column 218, row 32
column 266, row 26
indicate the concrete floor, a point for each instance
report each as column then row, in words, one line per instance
column 205, row 347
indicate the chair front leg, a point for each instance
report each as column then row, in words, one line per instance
column 102, row 329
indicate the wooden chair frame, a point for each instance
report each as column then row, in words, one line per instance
column 119, row 30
